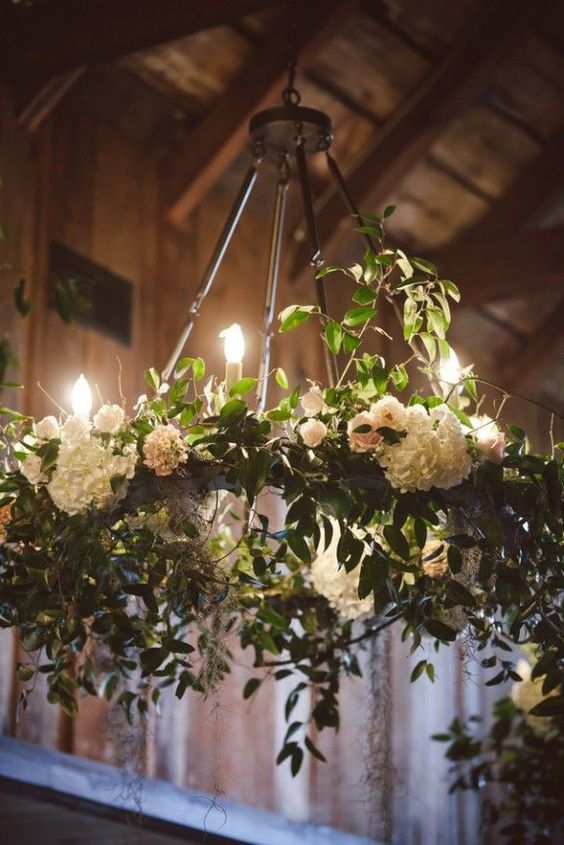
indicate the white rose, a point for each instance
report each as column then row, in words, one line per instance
column 389, row 412
column 31, row 468
column 47, row 428
column 312, row 402
column 109, row 418
column 75, row 428
column 489, row 440
column 313, row 432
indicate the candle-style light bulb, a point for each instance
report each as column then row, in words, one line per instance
column 234, row 346
column 450, row 372
column 81, row 397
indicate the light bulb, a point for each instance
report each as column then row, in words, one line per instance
column 234, row 343
column 81, row 397
column 450, row 370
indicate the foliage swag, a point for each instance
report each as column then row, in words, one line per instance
column 126, row 566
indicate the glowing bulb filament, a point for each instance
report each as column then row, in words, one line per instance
column 234, row 343
column 81, row 397
column 450, row 371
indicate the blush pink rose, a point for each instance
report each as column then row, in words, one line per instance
column 363, row 441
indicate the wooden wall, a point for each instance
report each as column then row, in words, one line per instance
column 81, row 182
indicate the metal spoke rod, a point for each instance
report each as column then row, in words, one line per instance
column 273, row 275
column 346, row 196
column 213, row 265
column 315, row 251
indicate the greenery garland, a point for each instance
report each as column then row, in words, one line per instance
column 131, row 549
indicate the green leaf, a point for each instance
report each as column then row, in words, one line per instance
column 397, row 541
column 182, row 367
column 314, row 750
column 350, row 342
column 22, row 304
column 296, row 760
column 440, row 630
column 251, row 686
column 198, row 369
column 420, row 532
column 424, row 265
column 325, row 271
column 235, row 407
column 458, row 594
column 243, row 386
column 364, row 295
column 333, row 336
column 152, row 658
column 281, row 379
column 451, row 289
column 553, row 706
column 418, row 670
column 294, row 315
column 152, row 378
column 358, row 316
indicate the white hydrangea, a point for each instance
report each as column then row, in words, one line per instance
column 434, row 452
column 84, row 472
column 338, row 586
column 527, row 693
column 47, row 428
column 109, row 419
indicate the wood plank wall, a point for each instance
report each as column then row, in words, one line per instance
column 81, row 182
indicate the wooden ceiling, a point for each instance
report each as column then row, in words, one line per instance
column 453, row 110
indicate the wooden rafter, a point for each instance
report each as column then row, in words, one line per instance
column 502, row 266
column 537, row 352
column 57, row 36
column 410, row 131
column 529, row 194
column 35, row 106
column 221, row 135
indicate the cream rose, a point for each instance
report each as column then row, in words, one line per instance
column 363, row 441
column 313, row 432
column 75, row 428
column 109, row 419
column 47, row 428
column 31, row 468
column 312, row 402
column 389, row 412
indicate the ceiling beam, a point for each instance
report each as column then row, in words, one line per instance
column 222, row 134
column 503, row 266
column 34, row 107
column 531, row 192
column 408, row 134
column 538, row 351
column 45, row 39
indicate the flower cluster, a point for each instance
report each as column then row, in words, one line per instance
column 430, row 449
column 90, row 462
column 164, row 449
column 433, row 453
column 332, row 581
column 527, row 693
